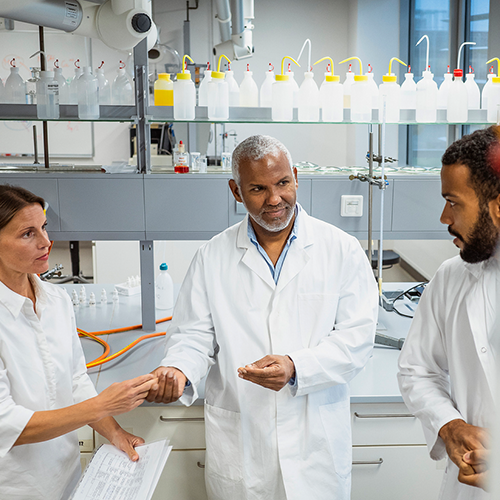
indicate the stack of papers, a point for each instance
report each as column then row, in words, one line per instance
column 111, row 475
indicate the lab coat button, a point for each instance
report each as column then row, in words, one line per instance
column 483, row 349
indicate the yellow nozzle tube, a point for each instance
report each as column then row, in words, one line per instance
column 324, row 59
column 283, row 63
column 184, row 62
column 395, row 59
column 497, row 60
column 357, row 59
column 220, row 57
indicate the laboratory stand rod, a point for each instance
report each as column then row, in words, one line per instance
column 45, row 127
column 370, row 193
column 141, row 103
column 382, row 198
column 147, row 286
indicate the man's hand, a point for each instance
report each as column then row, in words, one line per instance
column 461, row 438
column 171, row 383
column 272, row 372
column 478, row 460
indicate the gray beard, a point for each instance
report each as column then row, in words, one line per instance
column 276, row 227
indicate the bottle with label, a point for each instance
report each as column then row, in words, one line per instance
column 218, row 94
column 47, row 90
column 164, row 290
column 294, row 85
column 181, row 160
column 184, row 94
column 473, row 92
column 282, row 95
column 266, row 89
column 249, row 92
column 457, row 110
column 346, row 87
column 164, row 90
column 63, row 84
column 233, row 88
column 427, row 92
column 372, row 85
column 308, row 99
column 331, row 96
column 104, row 86
column 444, row 88
column 203, row 87
column 73, row 84
column 409, row 91
column 88, row 96
column 360, row 102
column 122, row 92
column 493, row 102
column 390, row 96
column 15, row 86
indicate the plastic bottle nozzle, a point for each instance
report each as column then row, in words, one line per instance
column 460, row 51
column 495, row 79
column 332, row 77
column 283, row 77
column 427, row 53
column 184, row 75
column 360, row 77
column 390, row 77
column 219, row 73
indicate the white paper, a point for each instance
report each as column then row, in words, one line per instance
column 111, row 475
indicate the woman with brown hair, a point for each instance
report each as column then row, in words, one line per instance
column 45, row 392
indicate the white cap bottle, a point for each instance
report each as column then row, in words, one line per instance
column 203, row 88
column 389, row 94
column 73, row 84
column 372, row 85
column 249, row 92
column 184, row 94
column 233, row 87
column 360, row 97
column 104, row 86
column 457, row 110
column 308, row 99
column 282, row 95
column 331, row 96
column 15, row 86
column 408, row 91
column 265, row 92
column 122, row 92
column 218, row 94
column 47, row 92
column 88, row 95
column 164, row 290
column 442, row 102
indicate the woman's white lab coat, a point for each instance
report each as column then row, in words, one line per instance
column 447, row 366
column 322, row 313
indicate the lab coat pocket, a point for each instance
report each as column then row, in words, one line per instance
column 224, row 443
column 317, row 312
column 337, row 426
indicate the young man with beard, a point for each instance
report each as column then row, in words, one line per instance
column 447, row 366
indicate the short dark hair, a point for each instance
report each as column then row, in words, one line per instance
column 13, row 199
column 475, row 152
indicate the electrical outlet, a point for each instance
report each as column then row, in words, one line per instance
column 351, row 206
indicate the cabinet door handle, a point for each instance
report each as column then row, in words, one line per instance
column 182, row 419
column 380, row 461
column 200, row 465
column 383, row 415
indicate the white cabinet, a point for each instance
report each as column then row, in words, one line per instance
column 390, row 457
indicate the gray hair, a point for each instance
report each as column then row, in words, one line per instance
column 255, row 148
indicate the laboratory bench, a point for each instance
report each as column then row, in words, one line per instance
column 390, row 458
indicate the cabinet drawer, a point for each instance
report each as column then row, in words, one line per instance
column 395, row 473
column 184, row 427
column 384, row 424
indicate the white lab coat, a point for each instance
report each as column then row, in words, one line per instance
column 447, row 365
column 322, row 313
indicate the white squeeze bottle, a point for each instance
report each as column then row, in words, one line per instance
column 389, row 94
column 266, row 92
column 73, row 84
column 458, row 99
column 218, row 94
column 122, row 92
column 104, row 86
column 88, row 96
column 184, row 94
column 308, row 99
column 234, row 89
column 473, row 92
column 486, row 89
column 346, row 86
column 164, row 290
column 493, row 104
column 63, row 84
column 15, row 86
column 427, row 93
column 47, row 96
column 249, row 92
column 408, row 92
column 331, row 96
column 203, row 88
column 361, row 102
column 294, row 85
column 372, row 85
column 282, row 96
column 443, row 90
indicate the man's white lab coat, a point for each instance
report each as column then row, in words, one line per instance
column 447, row 367
column 322, row 313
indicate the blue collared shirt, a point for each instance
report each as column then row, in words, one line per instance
column 275, row 270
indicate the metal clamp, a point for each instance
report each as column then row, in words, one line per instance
column 380, row 461
column 383, row 415
column 182, row 419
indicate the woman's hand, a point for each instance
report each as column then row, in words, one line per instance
column 127, row 442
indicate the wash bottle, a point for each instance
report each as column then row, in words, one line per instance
column 331, row 96
column 361, row 106
column 184, row 94
column 282, row 96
